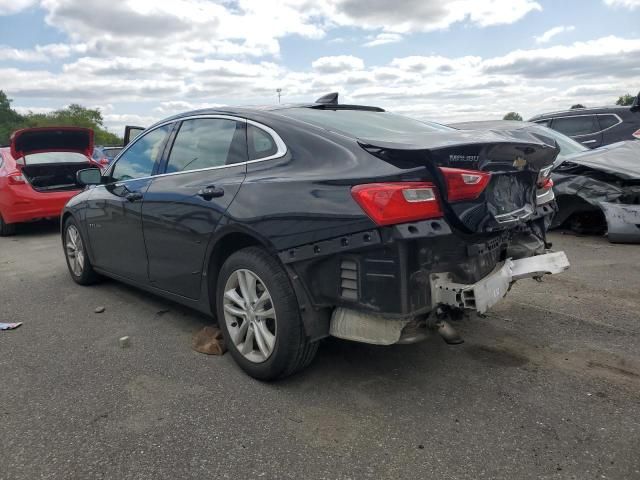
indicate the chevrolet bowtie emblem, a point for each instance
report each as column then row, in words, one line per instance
column 519, row 163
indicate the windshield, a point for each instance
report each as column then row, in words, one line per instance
column 568, row 146
column 364, row 123
column 55, row 157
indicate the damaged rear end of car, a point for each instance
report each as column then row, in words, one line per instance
column 450, row 233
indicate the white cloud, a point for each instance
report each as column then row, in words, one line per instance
column 630, row 4
column 553, row 32
column 9, row 7
column 340, row 63
column 383, row 38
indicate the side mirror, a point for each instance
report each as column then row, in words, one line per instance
column 89, row 176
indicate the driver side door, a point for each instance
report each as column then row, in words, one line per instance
column 114, row 210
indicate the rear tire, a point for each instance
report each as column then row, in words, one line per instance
column 6, row 229
column 268, row 342
column 75, row 252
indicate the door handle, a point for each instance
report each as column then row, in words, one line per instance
column 210, row 191
column 133, row 196
column 590, row 141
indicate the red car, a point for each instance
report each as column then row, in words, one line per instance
column 38, row 172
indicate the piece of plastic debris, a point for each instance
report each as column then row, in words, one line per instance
column 9, row 326
column 124, row 342
column 209, row 340
column 99, row 309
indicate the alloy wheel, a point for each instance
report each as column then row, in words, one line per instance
column 250, row 315
column 75, row 250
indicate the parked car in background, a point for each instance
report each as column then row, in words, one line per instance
column 292, row 223
column 595, row 127
column 38, row 172
column 596, row 190
column 105, row 155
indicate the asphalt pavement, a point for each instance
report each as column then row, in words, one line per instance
column 547, row 386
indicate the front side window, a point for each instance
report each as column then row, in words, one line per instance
column 572, row 126
column 207, row 142
column 139, row 159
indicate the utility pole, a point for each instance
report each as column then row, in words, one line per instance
column 279, row 90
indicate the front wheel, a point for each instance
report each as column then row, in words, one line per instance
column 258, row 313
column 75, row 253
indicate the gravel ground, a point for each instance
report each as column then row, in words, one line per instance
column 547, row 386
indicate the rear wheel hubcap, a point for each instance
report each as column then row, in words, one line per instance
column 75, row 250
column 249, row 315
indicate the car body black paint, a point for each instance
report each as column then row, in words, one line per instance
column 301, row 204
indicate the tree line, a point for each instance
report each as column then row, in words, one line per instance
column 72, row 116
column 623, row 100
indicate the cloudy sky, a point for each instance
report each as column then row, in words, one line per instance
column 141, row 60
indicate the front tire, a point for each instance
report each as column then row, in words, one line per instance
column 259, row 316
column 6, row 229
column 75, row 252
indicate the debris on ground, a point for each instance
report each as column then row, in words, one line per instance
column 99, row 309
column 209, row 340
column 124, row 342
column 9, row 326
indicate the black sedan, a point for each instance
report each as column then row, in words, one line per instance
column 292, row 223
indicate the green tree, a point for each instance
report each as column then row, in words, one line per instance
column 513, row 116
column 625, row 100
column 72, row 116
column 10, row 120
column 577, row 105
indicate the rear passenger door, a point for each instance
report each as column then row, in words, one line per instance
column 582, row 128
column 202, row 173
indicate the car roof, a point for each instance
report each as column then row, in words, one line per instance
column 492, row 125
column 582, row 111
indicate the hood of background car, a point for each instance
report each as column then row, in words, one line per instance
column 621, row 159
column 51, row 139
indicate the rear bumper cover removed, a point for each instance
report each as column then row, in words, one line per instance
column 482, row 295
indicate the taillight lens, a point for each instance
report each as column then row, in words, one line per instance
column 636, row 134
column 104, row 161
column 464, row 184
column 391, row 203
column 546, row 183
column 16, row 178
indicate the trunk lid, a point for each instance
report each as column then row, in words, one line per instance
column 514, row 160
column 51, row 139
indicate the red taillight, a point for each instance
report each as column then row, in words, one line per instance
column 636, row 134
column 546, row 183
column 391, row 203
column 464, row 184
column 104, row 161
column 16, row 178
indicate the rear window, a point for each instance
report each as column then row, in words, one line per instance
column 572, row 126
column 363, row 123
column 607, row 121
column 55, row 157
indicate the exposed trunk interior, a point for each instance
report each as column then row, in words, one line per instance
column 53, row 177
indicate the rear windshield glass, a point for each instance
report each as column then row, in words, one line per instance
column 55, row 157
column 364, row 124
column 568, row 146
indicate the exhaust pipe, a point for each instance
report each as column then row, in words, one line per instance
column 449, row 334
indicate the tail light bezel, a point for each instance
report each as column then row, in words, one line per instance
column 16, row 178
column 463, row 184
column 392, row 203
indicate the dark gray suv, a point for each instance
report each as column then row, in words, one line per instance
column 594, row 127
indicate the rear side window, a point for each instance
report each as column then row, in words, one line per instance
column 607, row 121
column 544, row 123
column 205, row 143
column 139, row 159
column 579, row 125
column 261, row 144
